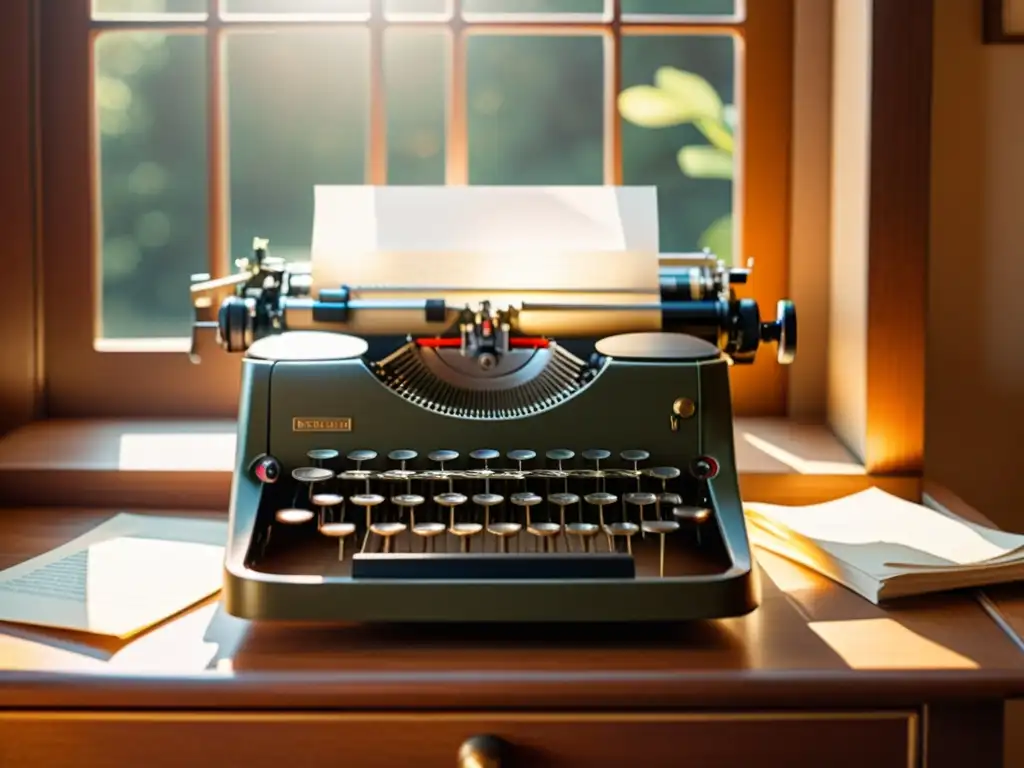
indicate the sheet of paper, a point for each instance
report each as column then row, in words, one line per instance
column 514, row 238
column 879, row 532
column 123, row 576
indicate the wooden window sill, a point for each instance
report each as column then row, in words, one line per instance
column 188, row 464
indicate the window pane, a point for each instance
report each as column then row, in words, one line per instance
column 148, row 7
column 678, row 124
column 399, row 8
column 535, row 107
column 151, row 107
column 415, row 70
column 472, row 7
column 297, row 117
column 680, row 7
column 296, row 7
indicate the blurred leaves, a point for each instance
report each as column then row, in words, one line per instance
column 718, row 238
column 680, row 98
column 705, row 162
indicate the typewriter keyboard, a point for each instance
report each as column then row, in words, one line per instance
column 555, row 514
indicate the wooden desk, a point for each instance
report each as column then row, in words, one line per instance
column 814, row 677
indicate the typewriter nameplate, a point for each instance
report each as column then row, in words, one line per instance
column 322, row 424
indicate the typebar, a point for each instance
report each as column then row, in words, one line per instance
column 484, row 566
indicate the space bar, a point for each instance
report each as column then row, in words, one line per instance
column 459, row 566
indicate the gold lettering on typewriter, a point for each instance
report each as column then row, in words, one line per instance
column 309, row 424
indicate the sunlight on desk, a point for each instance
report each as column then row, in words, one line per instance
column 858, row 642
column 800, row 464
column 179, row 452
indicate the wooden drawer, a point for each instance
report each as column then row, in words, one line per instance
column 311, row 740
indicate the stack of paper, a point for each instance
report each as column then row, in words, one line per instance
column 883, row 547
column 122, row 577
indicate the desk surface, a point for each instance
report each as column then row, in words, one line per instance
column 811, row 641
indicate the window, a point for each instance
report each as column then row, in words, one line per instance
column 202, row 123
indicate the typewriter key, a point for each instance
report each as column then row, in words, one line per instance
column 546, row 532
column 428, row 532
column 360, row 456
column 504, row 531
column 386, row 531
column 484, row 455
column 661, row 527
column 322, row 454
column 664, row 473
column 341, row 531
column 635, row 455
column 586, row 531
column 403, row 456
column 311, row 474
column 442, row 456
column 369, row 501
column 356, row 474
column 407, row 500
column 293, row 516
column 624, row 529
column 327, row 499
column 563, row 500
column 450, row 499
column 596, row 455
column 640, row 499
column 600, row 499
column 560, row 455
column 521, row 455
column 525, row 499
column 464, row 531
column 694, row 515
column 487, row 500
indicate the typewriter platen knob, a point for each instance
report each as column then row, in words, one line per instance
column 782, row 331
column 481, row 752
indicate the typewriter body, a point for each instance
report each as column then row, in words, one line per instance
column 414, row 459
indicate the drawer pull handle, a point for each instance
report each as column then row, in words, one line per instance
column 480, row 752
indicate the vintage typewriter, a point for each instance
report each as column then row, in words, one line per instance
column 487, row 462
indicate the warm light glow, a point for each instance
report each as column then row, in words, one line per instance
column 800, row 464
column 179, row 646
column 27, row 654
column 886, row 644
column 177, row 452
column 133, row 582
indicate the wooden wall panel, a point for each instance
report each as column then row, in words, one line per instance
column 17, row 219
